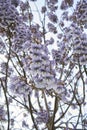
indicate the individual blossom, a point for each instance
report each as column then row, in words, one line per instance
column 30, row 16
column 52, row 7
column 60, row 35
column 49, row 80
column 3, row 67
column 2, row 114
column 69, row 2
column 65, row 15
column 52, row 17
column 39, row 82
column 15, row 2
column 43, row 9
column 35, row 50
column 24, row 6
column 53, row 1
column 42, row 117
column 66, row 3
column 12, row 121
column 26, row 45
column 50, row 42
column 2, row 46
column 36, row 47
column 61, row 23
column 24, row 124
column 52, row 28
column 34, row 68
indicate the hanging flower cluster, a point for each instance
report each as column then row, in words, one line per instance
column 26, row 15
column 2, row 114
column 78, row 41
column 21, row 36
column 9, row 16
column 41, row 66
column 19, row 86
column 80, row 49
column 42, row 117
column 59, row 56
column 80, row 14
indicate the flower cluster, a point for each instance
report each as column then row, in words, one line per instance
column 3, row 67
column 42, row 69
column 19, row 86
column 78, row 42
column 59, row 56
column 21, row 36
column 9, row 16
column 80, row 50
column 2, row 114
column 42, row 117
column 41, row 66
column 80, row 14
column 36, row 33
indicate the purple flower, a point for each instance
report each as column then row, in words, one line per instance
column 52, row 17
column 53, row 1
column 64, row 5
column 24, row 6
column 42, row 117
column 8, row 15
column 30, row 16
column 50, row 42
column 21, row 38
column 15, row 2
column 19, row 86
column 52, row 28
column 24, row 124
column 81, row 13
column 2, row 113
column 36, row 46
column 43, row 10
